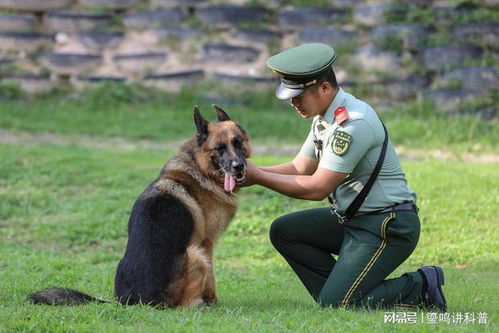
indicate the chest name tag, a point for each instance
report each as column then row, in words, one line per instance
column 341, row 142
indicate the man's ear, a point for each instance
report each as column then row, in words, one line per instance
column 221, row 114
column 201, row 126
column 325, row 87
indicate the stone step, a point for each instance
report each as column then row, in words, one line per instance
column 89, row 81
column 109, row 4
column 139, row 62
column 70, row 63
column 73, row 22
column 296, row 18
column 153, row 19
column 31, row 83
column 422, row 3
column 328, row 35
column 445, row 57
column 372, row 60
column 4, row 62
column 482, row 34
column 223, row 16
column 476, row 78
column 176, row 3
column 404, row 88
column 178, row 33
column 34, row 5
column 99, row 41
column 258, row 35
column 24, row 41
column 409, row 36
column 271, row 4
column 17, row 22
column 177, row 75
column 450, row 100
column 99, row 79
column 226, row 53
column 8, row 65
column 373, row 15
column 345, row 4
column 488, row 113
column 446, row 13
column 173, row 81
column 247, row 81
column 346, row 85
column 491, row 3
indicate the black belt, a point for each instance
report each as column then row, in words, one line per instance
column 403, row 207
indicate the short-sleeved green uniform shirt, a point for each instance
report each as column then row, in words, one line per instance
column 354, row 148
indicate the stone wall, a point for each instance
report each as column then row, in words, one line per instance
column 446, row 51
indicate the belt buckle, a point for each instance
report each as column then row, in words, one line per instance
column 340, row 217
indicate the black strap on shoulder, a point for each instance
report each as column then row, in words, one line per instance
column 317, row 143
column 359, row 199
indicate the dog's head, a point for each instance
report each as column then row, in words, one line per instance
column 223, row 147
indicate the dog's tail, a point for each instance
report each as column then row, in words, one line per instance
column 62, row 296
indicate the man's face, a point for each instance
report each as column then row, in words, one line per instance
column 313, row 101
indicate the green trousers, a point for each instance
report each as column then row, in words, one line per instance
column 347, row 264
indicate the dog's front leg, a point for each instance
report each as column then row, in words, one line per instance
column 209, row 294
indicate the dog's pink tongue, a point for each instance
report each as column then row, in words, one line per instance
column 229, row 183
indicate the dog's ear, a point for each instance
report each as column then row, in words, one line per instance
column 201, row 126
column 221, row 114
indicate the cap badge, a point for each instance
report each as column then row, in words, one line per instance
column 341, row 115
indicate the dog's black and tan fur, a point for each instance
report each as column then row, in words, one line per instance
column 175, row 223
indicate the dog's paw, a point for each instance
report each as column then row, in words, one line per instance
column 210, row 299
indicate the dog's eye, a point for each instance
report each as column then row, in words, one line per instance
column 220, row 147
column 237, row 143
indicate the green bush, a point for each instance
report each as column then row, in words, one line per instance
column 11, row 90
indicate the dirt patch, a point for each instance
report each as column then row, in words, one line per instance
column 15, row 137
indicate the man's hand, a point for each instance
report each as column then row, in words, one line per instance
column 309, row 187
column 252, row 172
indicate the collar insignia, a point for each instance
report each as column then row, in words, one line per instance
column 341, row 115
column 320, row 128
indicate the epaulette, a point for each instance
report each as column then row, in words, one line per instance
column 340, row 115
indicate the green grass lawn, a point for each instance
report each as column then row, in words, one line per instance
column 64, row 211
column 63, row 216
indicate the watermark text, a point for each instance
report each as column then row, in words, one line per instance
column 460, row 318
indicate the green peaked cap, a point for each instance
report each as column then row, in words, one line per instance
column 300, row 67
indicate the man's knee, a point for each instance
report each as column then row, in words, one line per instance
column 277, row 231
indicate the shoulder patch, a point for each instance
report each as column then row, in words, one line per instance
column 341, row 142
column 341, row 115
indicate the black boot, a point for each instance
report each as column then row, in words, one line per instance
column 432, row 294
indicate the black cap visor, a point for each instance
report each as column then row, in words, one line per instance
column 284, row 93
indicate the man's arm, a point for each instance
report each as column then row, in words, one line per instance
column 308, row 187
column 300, row 165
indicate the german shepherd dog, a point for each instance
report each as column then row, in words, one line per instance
column 176, row 221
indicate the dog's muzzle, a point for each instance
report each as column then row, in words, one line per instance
column 236, row 175
column 239, row 168
column 241, row 176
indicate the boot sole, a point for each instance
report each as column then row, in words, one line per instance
column 440, row 283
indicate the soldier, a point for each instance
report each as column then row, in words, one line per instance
column 343, row 253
